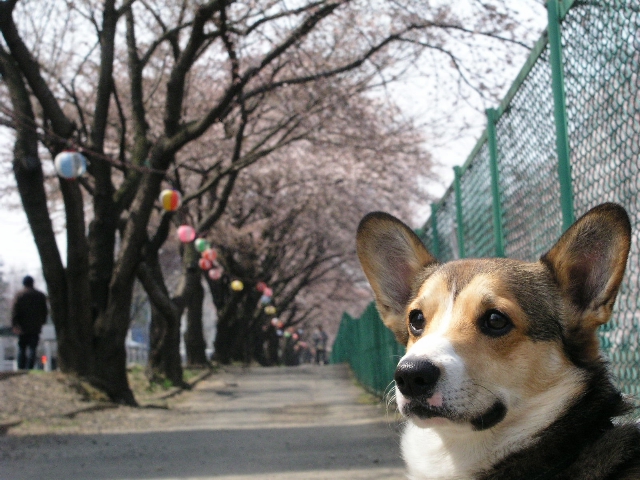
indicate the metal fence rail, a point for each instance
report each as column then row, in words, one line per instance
column 565, row 138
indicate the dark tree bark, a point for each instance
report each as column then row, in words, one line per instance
column 164, row 348
column 195, row 344
column 164, row 360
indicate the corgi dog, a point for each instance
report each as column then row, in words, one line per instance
column 502, row 376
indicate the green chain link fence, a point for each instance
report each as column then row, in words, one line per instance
column 565, row 138
column 369, row 347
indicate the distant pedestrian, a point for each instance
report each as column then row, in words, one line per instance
column 320, row 344
column 291, row 348
column 28, row 314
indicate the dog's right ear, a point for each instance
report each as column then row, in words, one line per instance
column 391, row 256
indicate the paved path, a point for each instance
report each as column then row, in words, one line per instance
column 298, row 423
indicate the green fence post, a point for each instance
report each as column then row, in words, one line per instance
column 459, row 219
column 560, row 113
column 434, row 230
column 492, row 120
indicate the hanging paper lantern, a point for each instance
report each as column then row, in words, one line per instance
column 205, row 264
column 70, row 165
column 210, row 254
column 170, row 200
column 215, row 273
column 260, row 286
column 201, row 245
column 237, row 286
column 270, row 310
column 265, row 299
column 186, row 233
column 268, row 292
column 274, row 321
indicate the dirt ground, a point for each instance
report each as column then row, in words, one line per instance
column 37, row 401
column 238, row 424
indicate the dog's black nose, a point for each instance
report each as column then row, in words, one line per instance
column 416, row 377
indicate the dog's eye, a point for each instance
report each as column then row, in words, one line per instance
column 416, row 322
column 495, row 324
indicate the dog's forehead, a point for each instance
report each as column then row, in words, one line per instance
column 458, row 274
column 530, row 285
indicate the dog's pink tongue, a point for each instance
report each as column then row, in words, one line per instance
column 435, row 400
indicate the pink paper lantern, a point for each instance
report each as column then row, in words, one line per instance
column 210, row 254
column 186, row 233
column 215, row 274
column 267, row 292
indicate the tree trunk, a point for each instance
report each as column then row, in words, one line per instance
column 110, row 372
column 223, row 343
column 164, row 350
column 164, row 360
column 77, row 272
column 112, row 323
column 194, row 336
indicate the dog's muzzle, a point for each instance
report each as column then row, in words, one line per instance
column 417, row 378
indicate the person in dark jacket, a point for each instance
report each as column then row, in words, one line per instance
column 28, row 314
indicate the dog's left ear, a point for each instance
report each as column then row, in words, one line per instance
column 588, row 263
column 391, row 256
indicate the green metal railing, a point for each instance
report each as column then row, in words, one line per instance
column 565, row 138
column 369, row 347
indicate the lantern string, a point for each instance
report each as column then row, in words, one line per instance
column 48, row 133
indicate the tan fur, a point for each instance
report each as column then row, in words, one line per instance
column 379, row 240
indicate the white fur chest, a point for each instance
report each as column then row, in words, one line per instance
column 431, row 454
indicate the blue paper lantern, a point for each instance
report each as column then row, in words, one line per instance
column 70, row 165
column 265, row 299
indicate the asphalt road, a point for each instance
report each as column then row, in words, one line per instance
column 305, row 422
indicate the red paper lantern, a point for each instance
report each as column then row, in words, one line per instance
column 210, row 254
column 260, row 286
column 205, row 264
